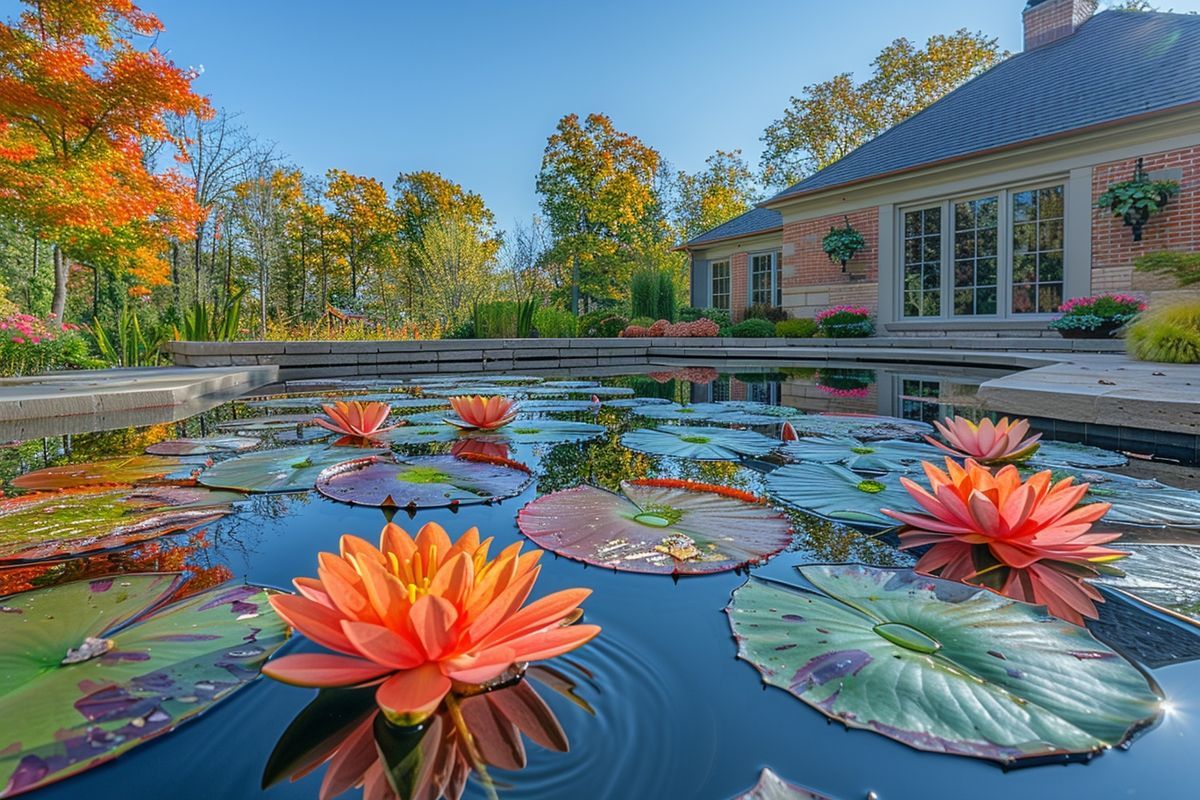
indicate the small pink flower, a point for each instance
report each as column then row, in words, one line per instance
column 18, row 340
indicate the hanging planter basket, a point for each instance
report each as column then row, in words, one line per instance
column 1136, row 200
column 841, row 244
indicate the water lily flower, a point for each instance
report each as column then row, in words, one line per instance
column 787, row 433
column 987, row 442
column 482, row 413
column 358, row 419
column 424, row 617
column 1025, row 539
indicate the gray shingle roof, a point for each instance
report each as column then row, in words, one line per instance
column 756, row 220
column 1117, row 64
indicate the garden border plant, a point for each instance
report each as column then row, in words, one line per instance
column 849, row 322
column 1097, row 317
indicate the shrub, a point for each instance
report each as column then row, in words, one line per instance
column 652, row 294
column 463, row 330
column 796, row 328
column 1185, row 267
column 1093, row 313
column 845, row 321
column 554, row 323
column 753, row 329
column 29, row 346
column 700, row 327
column 642, row 322
column 635, row 332
column 603, row 323
column 719, row 316
column 766, row 311
column 1170, row 335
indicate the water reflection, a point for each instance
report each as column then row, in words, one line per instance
column 344, row 732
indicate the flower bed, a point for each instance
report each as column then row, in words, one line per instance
column 29, row 345
column 1097, row 317
column 701, row 327
column 845, row 322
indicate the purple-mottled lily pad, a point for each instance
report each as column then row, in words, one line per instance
column 274, row 422
column 888, row 455
column 940, row 666
column 772, row 787
column 45, row 525
column 287, row 469
column 128, row 469
column 699, row 444
column 89, row 670
column 663, row 527
column 208, row 445
column 424, row 481
column 835, row 493
column 860, row 426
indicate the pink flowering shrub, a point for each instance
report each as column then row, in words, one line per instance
column 29, row 345
column 1099, row 313
column 700, row 327
column 845, row 321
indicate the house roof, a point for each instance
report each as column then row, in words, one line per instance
column 1118, row 64
column 756, row 220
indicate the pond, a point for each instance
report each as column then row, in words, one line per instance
column 664, row 702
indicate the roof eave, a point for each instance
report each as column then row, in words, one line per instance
column 689, row 246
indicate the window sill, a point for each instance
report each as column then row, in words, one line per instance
column 1037, row 323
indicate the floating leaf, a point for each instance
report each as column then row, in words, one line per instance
column 400, row 401
column 637, row 402
column 664, row 527
column 730, row 413
column 599, row 391
column 889, row 455
column 424, row 481
column 1164, row 575
column 271, row 423
column 571, row 384
column 277, row 403
column 207, row 445
column 700, row 444
column 939, row 666
column 129, row 469
column 1138, row 501
column 305, row 435
column 772, row 787
column 287, row 469
column 834, row 492
column 860, row 426
column 527, row 431
column 455, row 389
column 54, row 524
column 1051, row 455
column 555, row 406
column 88, row 670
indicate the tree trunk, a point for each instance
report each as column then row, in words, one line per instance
column 198, row 258
column 62, row 270
column 33, row 274
column 229, row 266
column 262, row 298
column 303, row 270
column 175, row 272
column 212, row 259
column 324, row 275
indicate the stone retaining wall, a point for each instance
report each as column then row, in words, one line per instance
column 298, row 360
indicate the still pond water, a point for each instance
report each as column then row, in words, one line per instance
column 659, row 705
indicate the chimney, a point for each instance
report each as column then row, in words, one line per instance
column 1048, row 21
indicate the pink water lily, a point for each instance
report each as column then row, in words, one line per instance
column 987, row 442
column 421, row 616
column 1029, row 539
column 357, row 419
column 482, row 413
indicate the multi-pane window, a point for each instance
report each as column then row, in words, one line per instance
column 722, row 286
column 1037, row 265
column 976, row 256
column 918, row 400
column 763, row 392
column 923, row 262
column 764, row 286
column 720, row 389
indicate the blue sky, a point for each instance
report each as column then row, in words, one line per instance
column 472, row 89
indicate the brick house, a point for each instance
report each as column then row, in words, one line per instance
column 979, row 211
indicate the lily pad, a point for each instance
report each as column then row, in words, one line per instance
column 287, row 469
column 860, row 426
column 130, row 469
column 699, row 443
column 940, row 666
column 571, row 384
column 833, row 492
column 400, row 401
column 555, row 406
column 454, row 390
column 45, row 525
column 1051, row 455
column 772, row 787
column 709, row 413
column 1138, row 501
column 522, row 431
column 89, row 670
column 889, row 455
column 208, row 445
column 637, row 402
column 664, row 527
column 282, row 403
column 1164, row 575
column 599, row 391
column 274, row 422
column 424, row 481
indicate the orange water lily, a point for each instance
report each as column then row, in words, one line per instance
column 787, row 433
column 423, row 616
column 358, row 419
column 987, row 442
column 1028, row 539
column 482, row 413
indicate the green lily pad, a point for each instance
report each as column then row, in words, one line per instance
column 833, row 492
column 699, row 443
column 940, row 666
column 127, row 469
column 287, row 469
column 860, row 426
column 55, row 524
column 1138, row 501
column 89, row 670
column 273, row 422
column 599, row 391
column 521, row 431
column 1164, row 575
column 1052, row 455
column 423, row 481
column 208, row 445
column 888, row 455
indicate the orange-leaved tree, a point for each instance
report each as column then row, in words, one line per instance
column 363, row 218
column 79, row 104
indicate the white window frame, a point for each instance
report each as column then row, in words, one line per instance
column 776, row 278
column 1004, row 252
column 712, row 265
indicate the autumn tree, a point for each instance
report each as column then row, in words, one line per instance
column 264, row 200
column 721, row 191
column 362, row 218
column 597, row 187
column 78, row 102
column 832, row 118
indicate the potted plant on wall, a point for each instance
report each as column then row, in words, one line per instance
column 1136, row 200
column 1098, row 317
column 841, row 244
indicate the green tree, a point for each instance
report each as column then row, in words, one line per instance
column 832, row 118
column 721, row 191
